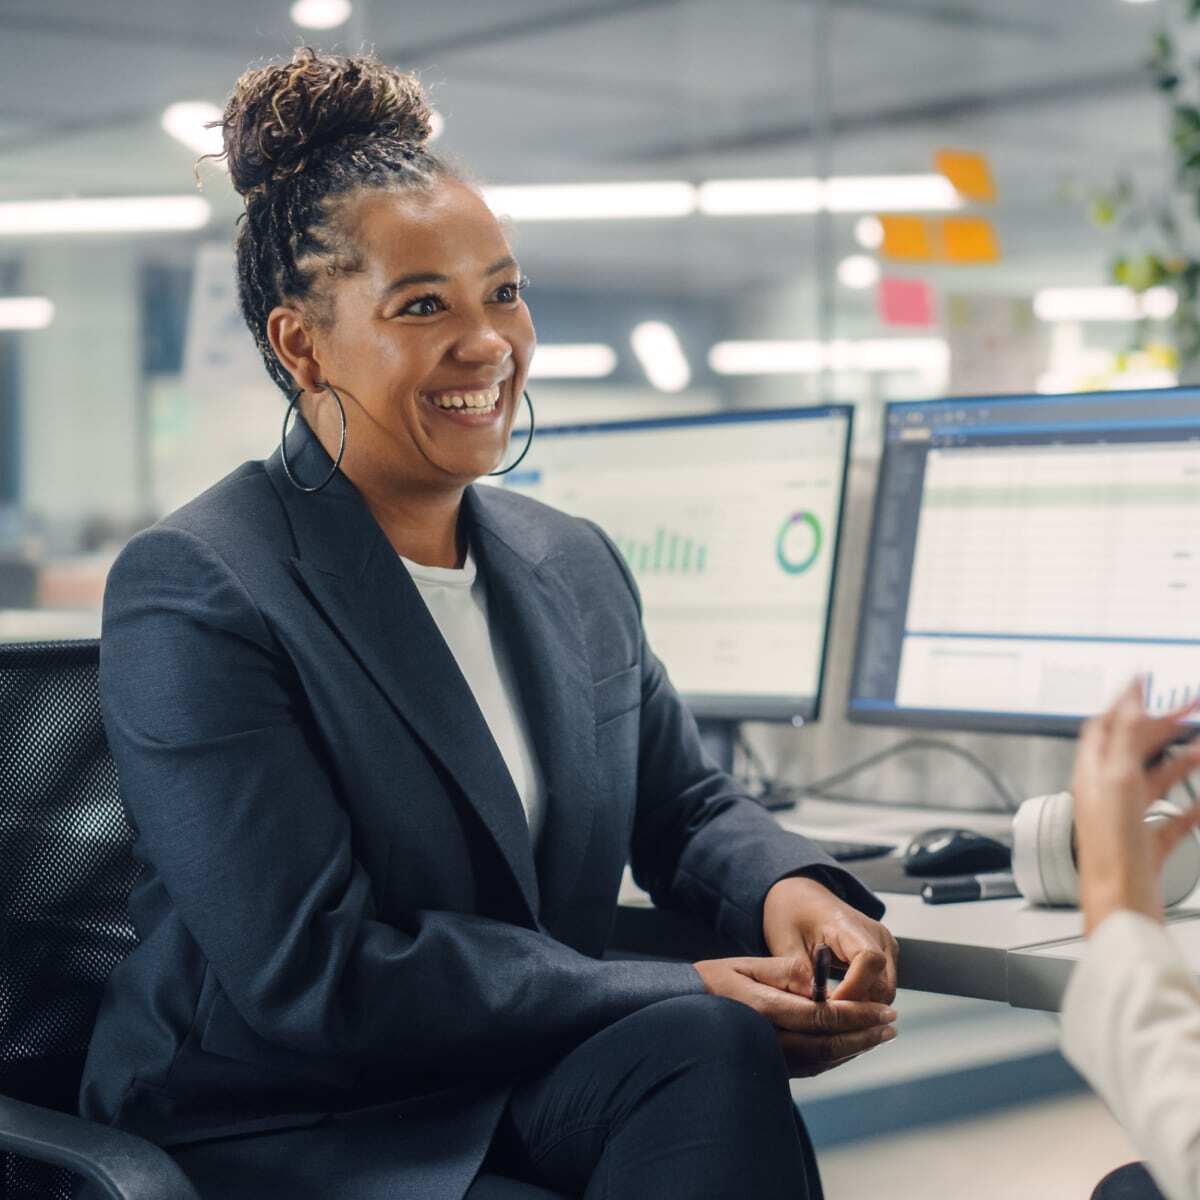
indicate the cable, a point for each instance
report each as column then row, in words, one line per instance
column 820, row 787
column 760, row 786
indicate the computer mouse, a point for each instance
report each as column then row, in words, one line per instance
column 955, row 852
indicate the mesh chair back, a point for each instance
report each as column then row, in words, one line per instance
column 65, row 873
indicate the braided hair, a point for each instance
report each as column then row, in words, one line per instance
column 299, row 138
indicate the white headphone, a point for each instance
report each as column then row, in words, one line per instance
column 1044, row 852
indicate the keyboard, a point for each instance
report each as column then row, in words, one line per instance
column 849, row 851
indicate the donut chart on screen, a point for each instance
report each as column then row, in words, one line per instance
column 798, row 543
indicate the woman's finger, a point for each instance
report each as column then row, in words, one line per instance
column 870, row 974
column 829, row 1048
column 1168, row 834
column 1173, row 771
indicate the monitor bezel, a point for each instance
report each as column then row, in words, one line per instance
column 752, row 706
column 964, row 720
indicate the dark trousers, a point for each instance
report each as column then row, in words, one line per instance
column 1130, row 1182
column 687, row 1098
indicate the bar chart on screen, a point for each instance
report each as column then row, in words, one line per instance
column 729, row 531
column 1164, row 695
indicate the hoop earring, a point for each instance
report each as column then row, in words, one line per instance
column 528, row 441
column 287, row 470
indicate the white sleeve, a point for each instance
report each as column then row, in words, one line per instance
column 1131, row 1027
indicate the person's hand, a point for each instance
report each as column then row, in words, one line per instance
column 1120, row 858
column 814, row 1037
column 799, row 914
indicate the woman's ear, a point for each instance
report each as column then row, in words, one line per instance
column 292, row 342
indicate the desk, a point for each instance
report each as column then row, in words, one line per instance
column 1003, row 950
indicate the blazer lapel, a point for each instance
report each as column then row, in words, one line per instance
column 536, row 615
column 353, row 574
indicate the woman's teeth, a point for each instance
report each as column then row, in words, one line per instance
column 477, row 401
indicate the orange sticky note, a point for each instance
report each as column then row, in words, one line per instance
column 906, row 237
column 970, row 174
column 969, row 240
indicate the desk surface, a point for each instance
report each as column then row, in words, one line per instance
column 1002, row 950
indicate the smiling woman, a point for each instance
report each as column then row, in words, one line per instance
column 389, row 739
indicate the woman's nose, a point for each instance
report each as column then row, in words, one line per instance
column 482, row 343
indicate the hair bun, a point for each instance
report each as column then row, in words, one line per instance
column 283, row 115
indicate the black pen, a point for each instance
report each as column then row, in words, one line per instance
column 821, row 960
column 995, row 885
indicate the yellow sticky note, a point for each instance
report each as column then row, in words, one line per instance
column 970, row 174
column 969, row 240
column 906, row 237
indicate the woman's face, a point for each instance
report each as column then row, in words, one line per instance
column 430, row 343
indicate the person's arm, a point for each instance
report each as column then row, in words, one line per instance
column 1131, row 1014
column 701, row 845
column 1131, row 1027
column 236, row 812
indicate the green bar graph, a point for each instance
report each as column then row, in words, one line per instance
column 664, row 552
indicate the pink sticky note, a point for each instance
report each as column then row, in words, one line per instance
column 905, row 302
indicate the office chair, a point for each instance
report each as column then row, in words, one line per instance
column 65, row 876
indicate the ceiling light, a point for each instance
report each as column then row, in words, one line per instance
column 592, row 201
column 188, row 121
column 583, row 360
column 437, row 125
column 868, row 232
column 321, row 14
column 1104, row 304
column 810, row 357
column 25, row 312
column 658, row 350
column 118, row 214
column 749, row 197
column 840, row 193
column 858, row 271
column 891, row 193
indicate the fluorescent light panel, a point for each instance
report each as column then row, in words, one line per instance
column 810, row 357
column 321, row 14
column 565, row 360
column 723, row 197
column 1104, row 304
column 187, row 122
column 592, row 201
column 657, row 348
column 25, row 312
column 839, row 193
column 123, row 214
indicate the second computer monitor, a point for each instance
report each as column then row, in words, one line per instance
column 729, row 523
column 1029, row 556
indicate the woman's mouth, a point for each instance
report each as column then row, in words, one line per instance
column 466, row 404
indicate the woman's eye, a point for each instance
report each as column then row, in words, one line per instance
column 423, row 306
column 509, row 293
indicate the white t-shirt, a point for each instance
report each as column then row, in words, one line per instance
column 457, row 601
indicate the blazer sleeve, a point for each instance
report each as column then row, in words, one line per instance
column 235, row 812
column 699, row 842
column 1131, row 1027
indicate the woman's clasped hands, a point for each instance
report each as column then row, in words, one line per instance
column 798, row 915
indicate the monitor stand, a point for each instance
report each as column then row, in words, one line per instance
column 719, row 737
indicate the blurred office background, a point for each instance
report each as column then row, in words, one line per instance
column 855, row 200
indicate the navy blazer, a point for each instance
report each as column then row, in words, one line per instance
column 340, row 908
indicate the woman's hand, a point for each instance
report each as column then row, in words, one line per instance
column 799, row 914
column 1120, row 857
column 814, row 1037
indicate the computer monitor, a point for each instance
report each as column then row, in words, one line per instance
column 1029, row 556
column 729, row 522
